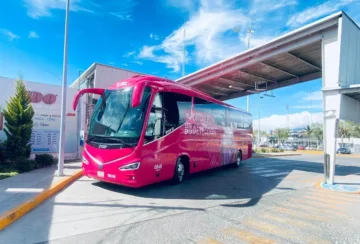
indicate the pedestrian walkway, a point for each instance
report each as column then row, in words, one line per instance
column 20, row 188
column 302, row 218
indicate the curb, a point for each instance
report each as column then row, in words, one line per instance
column 271, row 156
column 318, row 185
column 11, row 216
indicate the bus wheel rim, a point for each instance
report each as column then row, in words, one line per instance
column 238, row 160
column 180, row 171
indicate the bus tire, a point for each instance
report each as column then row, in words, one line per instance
column 179, row 172
column 238, row 162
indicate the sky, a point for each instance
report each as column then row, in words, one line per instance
column 148, row 36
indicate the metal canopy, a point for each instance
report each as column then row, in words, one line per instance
column 290, row 59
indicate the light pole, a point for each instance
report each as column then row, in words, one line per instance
column 63, row 96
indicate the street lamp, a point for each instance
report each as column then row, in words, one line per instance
column 63, row 97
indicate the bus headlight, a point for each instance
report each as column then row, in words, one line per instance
column 84, row 160
column 132, row 166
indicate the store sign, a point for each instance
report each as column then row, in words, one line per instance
column 37, row 97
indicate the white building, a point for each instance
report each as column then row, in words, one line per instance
column 352, row 143
column 46, row 102
column 101, row 76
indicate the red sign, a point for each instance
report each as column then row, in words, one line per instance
column 70, row 114
column 37, row 97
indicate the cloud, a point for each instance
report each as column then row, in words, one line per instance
column 154, row 37
column 43, row 8
column 10, row 35
column 261, row 6
column 314, row 96
column 122, row 16
column 313, row 106
column 129, row 54
column 316, row 12
column 296, row 120
column 206, row 32
column 256, row 41
column 33, row 35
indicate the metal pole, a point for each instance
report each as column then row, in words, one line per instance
column 247, row 103
column 184, row 53
column 248, row 97
column 259, row 130
column 63, row 97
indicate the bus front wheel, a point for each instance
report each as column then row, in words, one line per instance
column 179, row 172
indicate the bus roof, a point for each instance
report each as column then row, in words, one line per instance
column 171, row 86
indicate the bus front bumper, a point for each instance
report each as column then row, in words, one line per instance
column 129, row 178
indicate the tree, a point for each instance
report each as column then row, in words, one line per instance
column 344, row 130
column 282, row 133
column 317, row 131
column 18, row 116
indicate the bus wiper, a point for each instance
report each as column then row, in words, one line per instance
column 119, row 140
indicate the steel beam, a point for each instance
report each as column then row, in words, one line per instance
column 257, row 76
column 281, row 70
column 304, row 61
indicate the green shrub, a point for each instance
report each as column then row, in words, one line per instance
column 25, row 165
column 18, row 115
column 281, row 150
column 274, row 150
column 263, row 150
column 44, row 160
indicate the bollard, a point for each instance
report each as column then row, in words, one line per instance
column 326, row 167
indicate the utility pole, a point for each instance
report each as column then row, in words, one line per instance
column 287, row 116
column 258, row 141
column 184, row 53
column 248, row 96
column 63, row 97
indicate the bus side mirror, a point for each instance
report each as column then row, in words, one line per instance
column 98, row 91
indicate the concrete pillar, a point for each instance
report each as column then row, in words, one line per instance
column 331, row 98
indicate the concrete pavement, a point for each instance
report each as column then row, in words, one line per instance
column 218, row 206
column 20, row 188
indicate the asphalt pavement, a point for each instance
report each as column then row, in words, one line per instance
column 267, row 200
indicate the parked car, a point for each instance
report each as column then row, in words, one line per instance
column 343, row 150
column 288, row 148
column 301, row 148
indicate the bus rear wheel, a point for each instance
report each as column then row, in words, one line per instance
column 179, row 172
column 238, row 162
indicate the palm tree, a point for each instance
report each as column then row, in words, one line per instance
column 308, row 131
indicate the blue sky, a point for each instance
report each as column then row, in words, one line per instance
column 147, row 36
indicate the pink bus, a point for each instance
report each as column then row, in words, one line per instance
column 147, row 129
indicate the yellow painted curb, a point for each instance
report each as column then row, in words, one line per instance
column 19, row 211
column 318, row 185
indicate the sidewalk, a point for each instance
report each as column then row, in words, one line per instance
column 20, row 188
column 322, row 153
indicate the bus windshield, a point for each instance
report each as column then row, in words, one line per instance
column 115, row 121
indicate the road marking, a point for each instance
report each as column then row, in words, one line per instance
column 24, row 190
column 281, row 232
column 263, row 171
column 247, row 236
column 328, row 201
column 208, row 240
column 315, row 209
column 300, row 215
column 316, row 204
column 275, row 174
column 291, row 221
column 341, row 196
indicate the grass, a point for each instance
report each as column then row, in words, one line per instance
column 4, row 175
column 6, row 172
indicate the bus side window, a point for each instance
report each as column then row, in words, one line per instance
column 175, row 108
column 155, row 122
